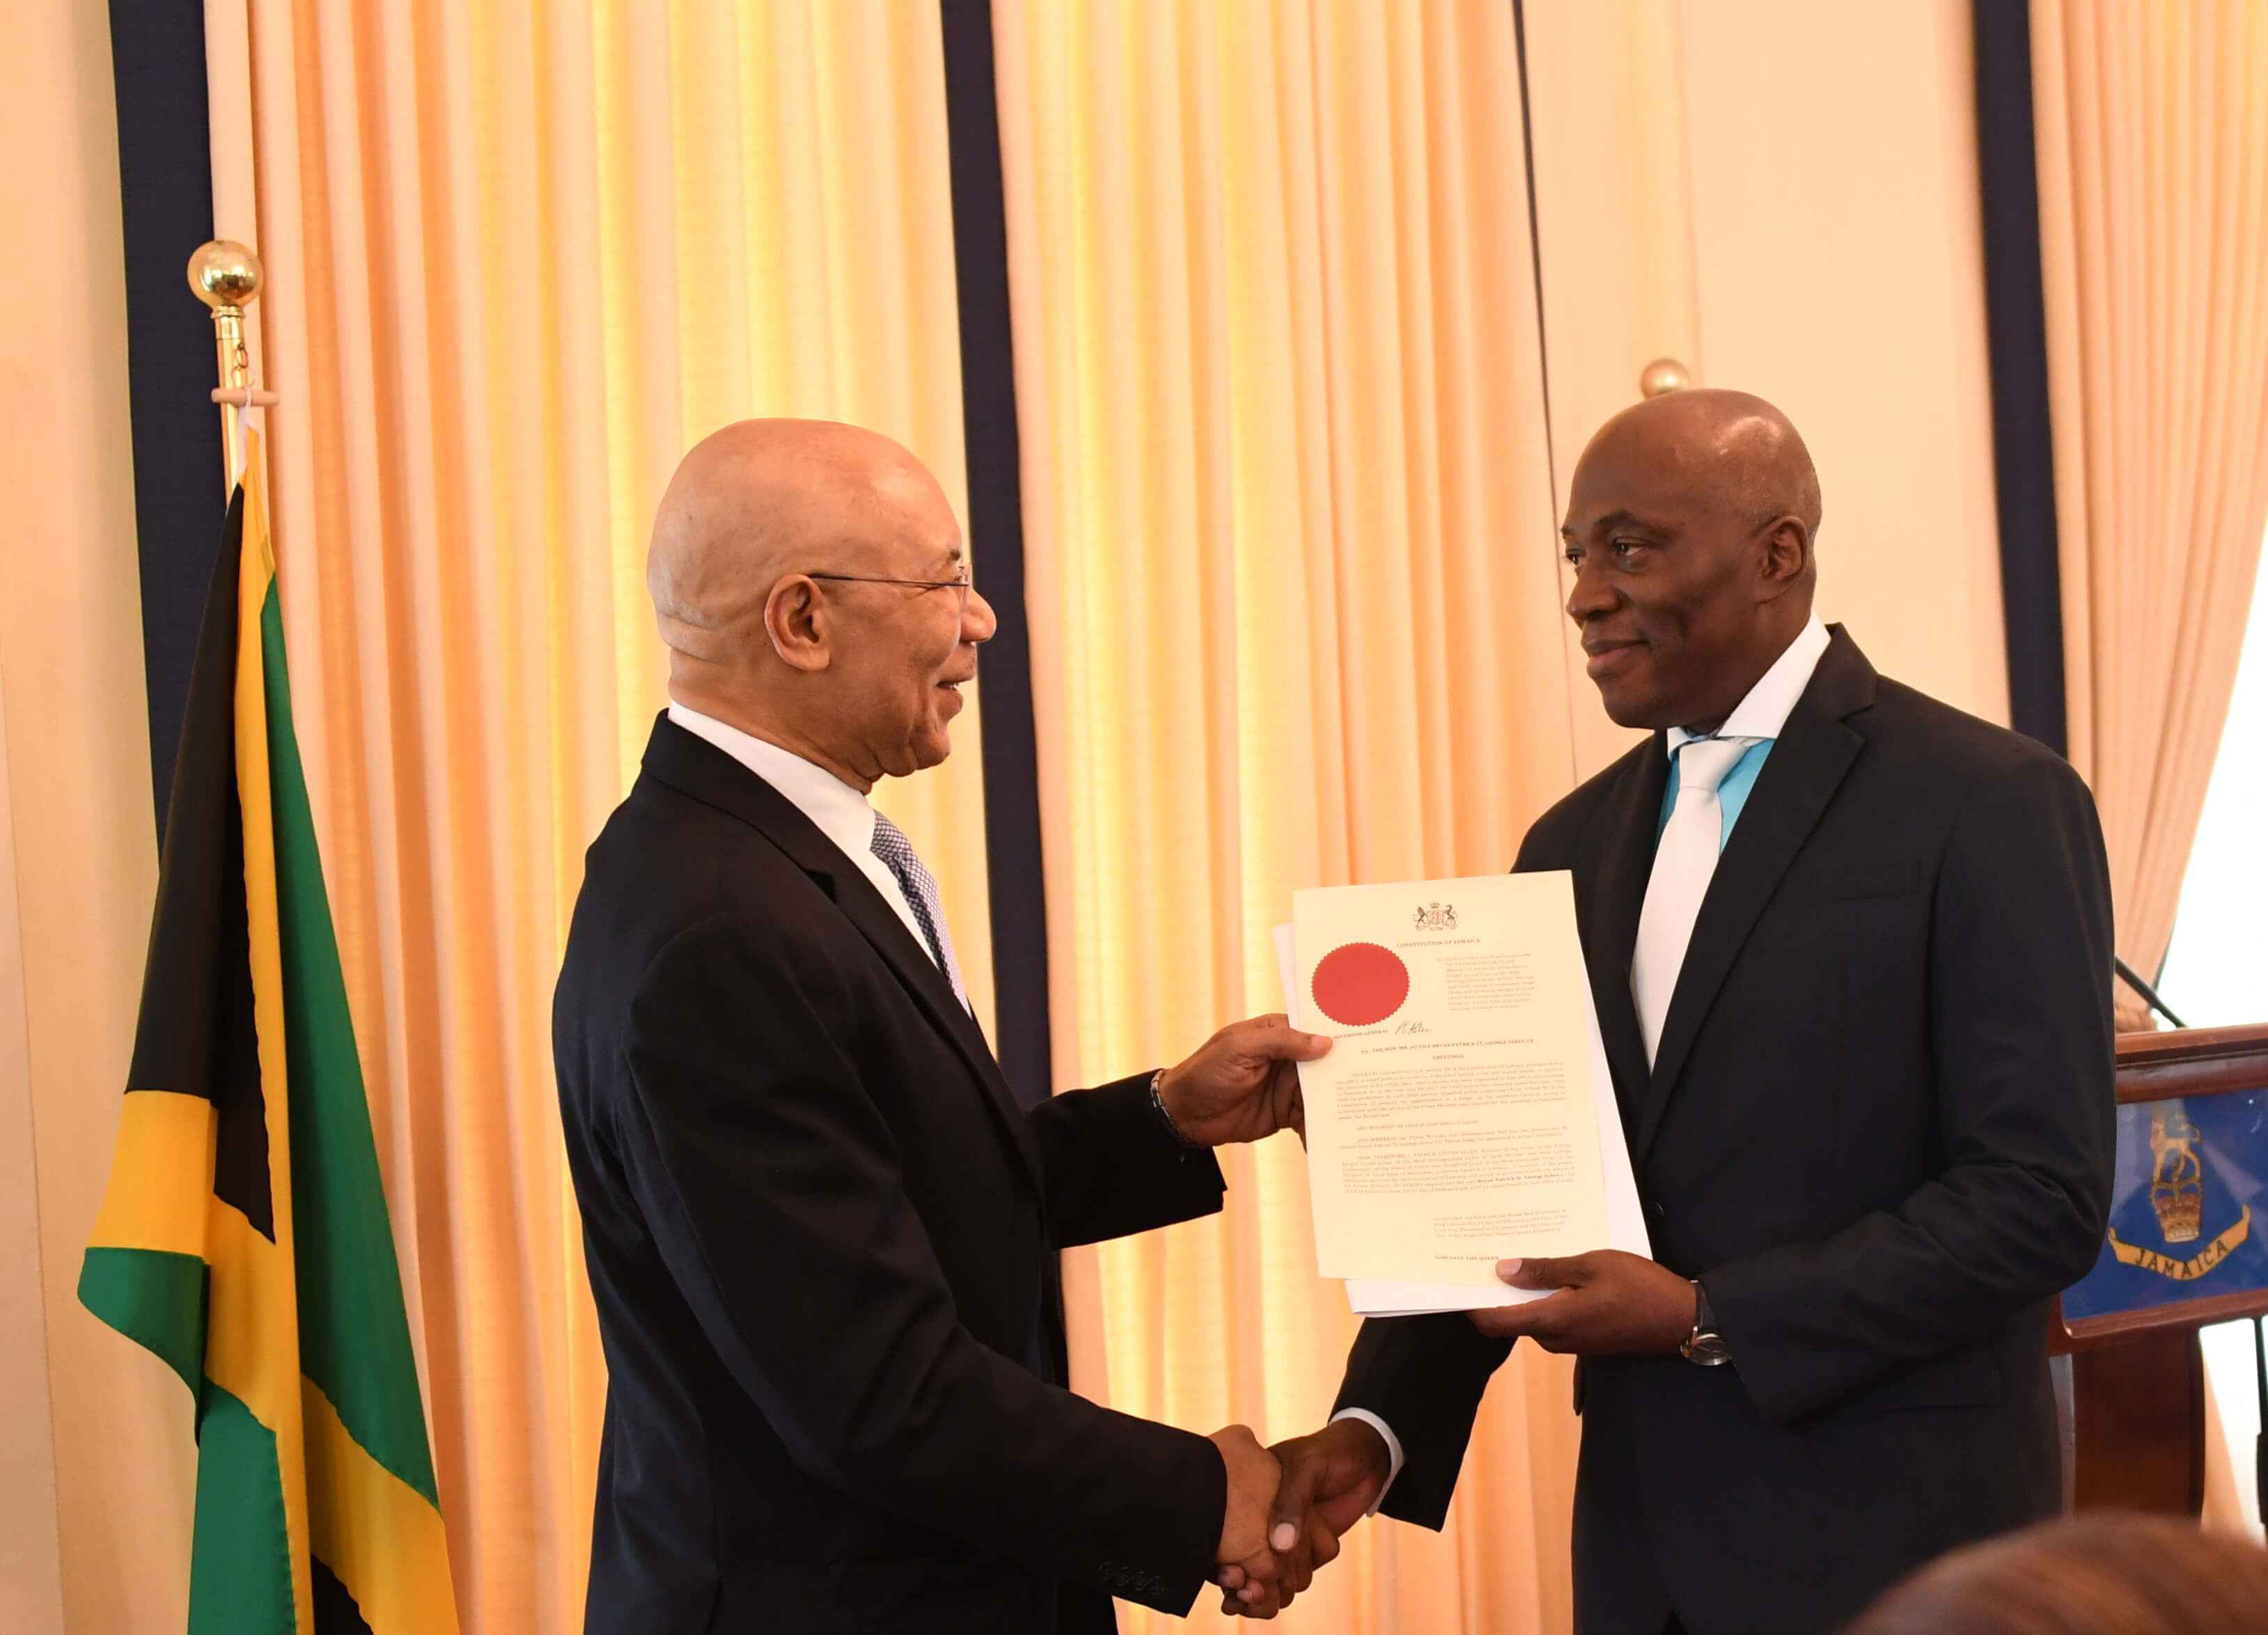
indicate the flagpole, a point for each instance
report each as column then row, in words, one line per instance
column 226, row 278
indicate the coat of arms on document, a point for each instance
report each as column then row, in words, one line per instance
column 1437, row 917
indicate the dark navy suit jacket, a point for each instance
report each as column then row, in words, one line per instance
column 1879, row 1130
column 820, row 1233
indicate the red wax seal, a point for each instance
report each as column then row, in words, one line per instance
column 1360, row 983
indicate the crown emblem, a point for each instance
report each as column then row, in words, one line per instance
column 2176, row 1179
column 1437, row 917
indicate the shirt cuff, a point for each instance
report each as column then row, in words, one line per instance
column 1392, row 1449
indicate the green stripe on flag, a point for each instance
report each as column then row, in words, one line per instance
column 354, row 1327
column 156, row 1299
column 240, row 1560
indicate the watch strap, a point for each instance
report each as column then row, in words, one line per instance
column 1705, row 1346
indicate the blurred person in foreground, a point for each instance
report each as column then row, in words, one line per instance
column 821, row 1229
column 1851, row 952
column 2101, row 1575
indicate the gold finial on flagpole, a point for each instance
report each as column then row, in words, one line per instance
column 1663, row 374
column 225, row 276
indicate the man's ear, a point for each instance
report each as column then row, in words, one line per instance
column 796, row 619
column 1787, row 555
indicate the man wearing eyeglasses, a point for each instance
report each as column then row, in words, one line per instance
column 821, row 1229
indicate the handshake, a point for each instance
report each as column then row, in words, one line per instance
column 1288, row 1507
column 1289, row 1504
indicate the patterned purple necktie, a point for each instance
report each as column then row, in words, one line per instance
column 897, row 855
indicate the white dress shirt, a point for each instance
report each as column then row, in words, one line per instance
column 836, row 809
column 1763, row 712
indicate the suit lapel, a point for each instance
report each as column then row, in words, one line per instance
column 880, row 926
column 1808, row 764
column 1625, row 860
column 696, row 768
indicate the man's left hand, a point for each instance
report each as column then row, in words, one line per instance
column 1243, row 1083
column 1607, row 1302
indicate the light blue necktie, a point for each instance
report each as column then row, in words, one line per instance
column 898, row 855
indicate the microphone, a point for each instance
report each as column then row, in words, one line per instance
column 2149, row 994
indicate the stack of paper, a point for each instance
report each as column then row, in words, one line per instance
column 1465, row 1114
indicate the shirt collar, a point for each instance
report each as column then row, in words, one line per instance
column 839, row 811
column 1764, row 711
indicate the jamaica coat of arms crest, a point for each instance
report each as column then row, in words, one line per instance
column 2177, row 1199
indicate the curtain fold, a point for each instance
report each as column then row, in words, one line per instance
column 1293, row 575
column 519, row 256
column 2151, row 126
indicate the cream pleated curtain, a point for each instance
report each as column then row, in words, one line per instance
column 2151, row 124
column 519, row 256
column 1295, row 602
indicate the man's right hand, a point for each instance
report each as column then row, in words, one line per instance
column 1330, row 1480
column 1254, row 1475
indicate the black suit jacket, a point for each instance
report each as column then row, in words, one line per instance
column 820, row 1236
column 1879, row 1129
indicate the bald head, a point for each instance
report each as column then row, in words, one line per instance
column 1732, row 447
column 808, row 577
column 1690, row 520
column 762, row 498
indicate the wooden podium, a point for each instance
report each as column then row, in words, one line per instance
column 2188, row 1245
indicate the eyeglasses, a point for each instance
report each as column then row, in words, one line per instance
column 961, row 582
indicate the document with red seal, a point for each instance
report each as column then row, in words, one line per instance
column 1464, row 1115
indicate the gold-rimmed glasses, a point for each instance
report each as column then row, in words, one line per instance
column 960, row 582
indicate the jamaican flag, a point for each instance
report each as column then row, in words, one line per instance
column 243, row 1238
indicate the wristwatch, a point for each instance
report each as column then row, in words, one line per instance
column 1705, row 1345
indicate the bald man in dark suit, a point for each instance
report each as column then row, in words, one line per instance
column 1850, row 950
column 821, row 1229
